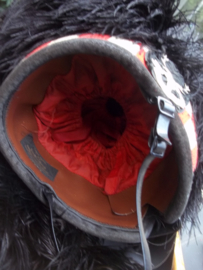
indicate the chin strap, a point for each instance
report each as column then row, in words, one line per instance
column 158, row 142
column 145, row 248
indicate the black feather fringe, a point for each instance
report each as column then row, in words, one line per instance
column 25, row 233
column 26, row 241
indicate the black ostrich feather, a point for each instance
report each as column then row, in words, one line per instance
column 26, row 241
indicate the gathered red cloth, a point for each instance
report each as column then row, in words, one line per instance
column 95, row 121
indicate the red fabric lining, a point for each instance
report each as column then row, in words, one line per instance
column 80, row 131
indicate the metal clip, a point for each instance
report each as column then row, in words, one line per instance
column 159, row 139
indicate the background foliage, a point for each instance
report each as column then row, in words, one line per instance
column 194, row 10
column 4, row 3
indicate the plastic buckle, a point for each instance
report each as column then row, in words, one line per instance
column 159, row 139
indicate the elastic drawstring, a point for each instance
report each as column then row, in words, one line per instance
column 49, row 196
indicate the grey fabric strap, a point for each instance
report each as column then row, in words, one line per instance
column 145, row 248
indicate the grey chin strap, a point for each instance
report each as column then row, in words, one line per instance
column 158, row 143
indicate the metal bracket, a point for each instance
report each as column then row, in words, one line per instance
column 159, row 139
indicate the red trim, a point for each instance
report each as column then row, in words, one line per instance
column 96, row 36
column 141, row 56
column 184, row 116
column 194, row 154
column 38, row 49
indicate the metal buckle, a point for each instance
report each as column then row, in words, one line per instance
column 159, row 139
